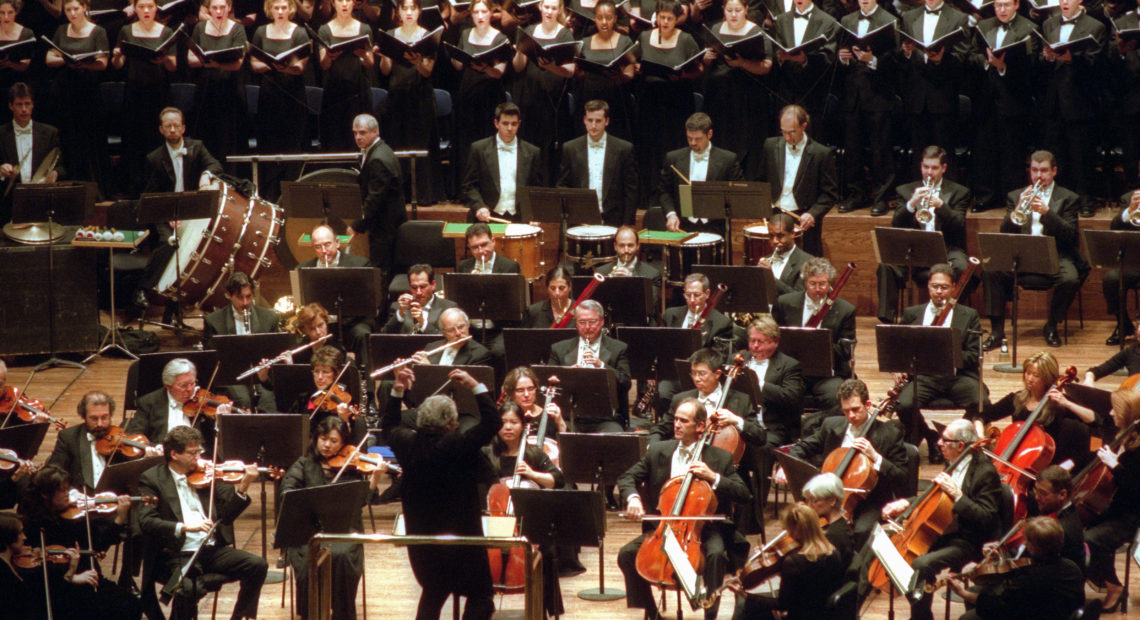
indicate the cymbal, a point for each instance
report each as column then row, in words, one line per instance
column 33, row 233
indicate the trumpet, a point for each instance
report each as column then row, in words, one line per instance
column 1021, row 213
column 925, row 213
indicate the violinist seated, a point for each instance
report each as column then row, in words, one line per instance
column 974, row 488
column 173, row 405
column 722, row 545
column 824, row 494
column 716, row 325
column 593, row 349
column 796, row 309
column 75, row 449
column 546, row 313
column 329, row 399
column 1066, row 422
column 183, row 522
column 1051, row 587
column 533, row 470
column 44, row 509
column 418, row 310
column 1127, row 358
column 21, row 580
column 961, row 388
column 1052, row 493
column 315, row 469
column 1116, row 524
column 242, row 316
column 9, row 409
column 880, row 442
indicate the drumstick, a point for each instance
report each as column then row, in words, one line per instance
column 683, row 177
column 498, row 220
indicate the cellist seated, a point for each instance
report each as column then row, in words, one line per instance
column 879, row 443
column 975, row 490
column 665, row 460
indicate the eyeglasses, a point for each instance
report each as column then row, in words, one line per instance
column 588, row 322
column 948, row 440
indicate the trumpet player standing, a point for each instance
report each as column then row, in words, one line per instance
column 1047, row 209
column 936, row 204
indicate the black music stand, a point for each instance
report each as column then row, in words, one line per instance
column 65, row 204
column 326, row 509
column 652, row 350
column 554, row 517
column 269, row 439
column 24, row 439
column 910, row 248
column 290, row 381
column 123, row 477
column 1099, row 401
column 383, row 349
column 811, row 347
column 565, row 206
column 595, row 387
column 238, row 353
column 346, row 291
column 495, row 296
column 750, row 200
column 750, row 288
column 1019, row 254
column 432, row 380
column 531, row 346
column 598, row 459
column 327, row 201
column 918, row 350
column 682, row 369
column 1119, row 249
column 797, row 471
column 627, row 300
column 150, row 367
column 162, row 208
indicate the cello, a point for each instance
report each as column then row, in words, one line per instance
column 926, row 519
column 1093, row 487
column 726, row 437
column 1025, row 448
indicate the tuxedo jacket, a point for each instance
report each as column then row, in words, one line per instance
column 1009, row 94
column 1060, row 222
column 815, row 188
column 723, row 166
column 788, row 311
column 396, row 326
column 481, row 179
column 470, row 354
column 949, row 219
column 977, row 514
column 150, row 420
column 44, row 138
column 613, row 353
column 782, row 395
column 502, row 264
column 800, row 82
column 619, row 176
column 963, row 318
column 791, row 279
column 1073, row 88
column 159, row 522
column 343, row 260
column 160, row 167
column 381, row 194
column 221, row 321
column 72, row 454
column 885, row 437
column 932, row 87
column 717, row 325
column 736, row 402
column 866, row 89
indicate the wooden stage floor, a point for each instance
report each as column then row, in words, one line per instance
column 391, row 590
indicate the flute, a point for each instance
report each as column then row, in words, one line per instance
column 264, row 365
column 396, row 365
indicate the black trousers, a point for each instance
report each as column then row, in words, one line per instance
column 638, row 593
column 229, row 564
column 892, row 278
column 946, row 552
column 1111, row 288
column 1066, row 283
column 959, row 389
column 874, row 130
column 1074, row 144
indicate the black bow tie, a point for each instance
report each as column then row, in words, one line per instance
column 934, row 12
column 803, row 15
column 1003, row 26
column 1070, row 20
column 864, row 18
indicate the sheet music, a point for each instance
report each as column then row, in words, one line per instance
column 900, row 572
column 686, row 575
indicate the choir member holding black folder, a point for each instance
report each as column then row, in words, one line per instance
column 604, row 67
column 544, row 62
column 346, row 58
column 481, row 55
column 217, row 49
column 280, row 52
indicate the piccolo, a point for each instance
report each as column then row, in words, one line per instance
column 264, row 365
column 397, row 365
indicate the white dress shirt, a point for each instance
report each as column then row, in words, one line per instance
column 595, row 162
column 959, row 473
column 240, row 327
column 792, row 157
column 690, row 318
column 682, row 457
column 1066, row 30
column 931, row 313
column 424, row 309
column 447, row 358
column 699, row 171
column 799, row 26
column 810, row 308
column 176, row 156
column 778, row 262
column 24, row 150
column 508, row 167
column 930, row 23
column 192, row 513
column 174, row 415
column 851, row 433
column 760, row 367
column 1035, row 225
column 332, row 263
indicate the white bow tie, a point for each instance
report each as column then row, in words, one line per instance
column 702, row 157
column 507, row 148
column 178, row 152
column 596, row 145
column 22, row 131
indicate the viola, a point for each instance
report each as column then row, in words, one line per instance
column 205, row 403
column 364, row 462
column 508, row 566
column 767, row 561
column 117, row 440
column 226, row 471
column 10, row 461
column 725, row 436
column 329, row 400
column 100, row 503
column 1093, row 487
column 13, row 401
column 1025, row 447
column 854, row 468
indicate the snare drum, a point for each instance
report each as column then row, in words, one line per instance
column 523, row 243
column 704, row 249
column 758, row 243
column 591, row 245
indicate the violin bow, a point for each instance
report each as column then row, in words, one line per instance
column 326, row 393
column 43, row 564
column 87, row 524
column 352, row 455
column 213, row 480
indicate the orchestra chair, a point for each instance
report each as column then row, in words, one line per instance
column 252, row 96
column 1022, row 286
column 844, row 602
column 181, row 96
column 313, row 96
column 419, row 241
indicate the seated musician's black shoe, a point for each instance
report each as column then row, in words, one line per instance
column 1089, row 209
column 992, row 342
column 847, row 206
column 139, row 300
column 880, row 208
column 1114, row 339
column 1051, row 337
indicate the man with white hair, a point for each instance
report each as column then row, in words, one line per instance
column 163, row 409
column 455, row 326
column 593, row 349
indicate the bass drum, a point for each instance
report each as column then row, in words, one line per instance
column 292, row 253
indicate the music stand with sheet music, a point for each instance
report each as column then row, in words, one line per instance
column 811, row 347
column 750, row 288
column 494, row 296
column 555, row 517
column 162, row 208
column 725, row 200
column 345, row 291
column 1119, row 249
column 1018, row 254
column 565, row 206
column 598, row 459
column 269, row 440
column 328, row 509
column 627, row 300
column 432, row 380
column 652, row 349
column 918, row 350
column 291, row 381
column 530, row 346
column 23, row 439
column 1099, row 401
column 910, row 248
column 123, row 477
column 595, row 387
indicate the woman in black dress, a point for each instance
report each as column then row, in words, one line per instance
column 77, row 97
column 480, row 85
column 824, row 494
column 521, row 386
column 610, row 86
column 549, row 311
column 147, row 83
column 12, row 71
column 409, row 118
column 20, row 589
column 326, row 364
column 219, row 100
column 282, row 112
column 346, row 80
column 663, row 104
column 813, row 572
column 735, row 96
column 313, row 470
column 541, row 88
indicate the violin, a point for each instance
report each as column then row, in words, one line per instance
column 207, row 404
column 997, row 563
column 117, row 440
column 13, row 401
column 54, row 554
column 329, row 400
column 725, row 436
column 226, row 471
column 364, row 462
column 100, row 503
column 767, row 561
column 10, row 461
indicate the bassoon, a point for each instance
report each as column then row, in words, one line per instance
column 817, row 318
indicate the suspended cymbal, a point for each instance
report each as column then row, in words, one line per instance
column 33, row 233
